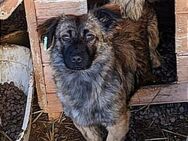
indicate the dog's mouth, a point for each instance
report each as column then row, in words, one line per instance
column 83, row 65
column 78, row 68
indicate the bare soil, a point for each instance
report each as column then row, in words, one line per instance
column 167, row 122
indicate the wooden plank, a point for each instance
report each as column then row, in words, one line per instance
column 50, row 84
column 54, row 105
column 182, row 34
column 36, row 53
column 51, row 8
column 7, row 7
column 45, row 55
column 181, row 6
column 161, row 94
column 182, row 68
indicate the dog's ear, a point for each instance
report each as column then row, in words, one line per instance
column 46, row 31
column 108, row 16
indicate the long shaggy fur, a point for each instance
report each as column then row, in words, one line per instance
column 99, row 95
column 129, row 8
column 135, row 9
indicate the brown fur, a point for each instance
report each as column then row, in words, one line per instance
column 129, row 8
column 99, row 94
column 148, row 23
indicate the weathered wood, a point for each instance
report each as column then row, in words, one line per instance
column 7, row 7
column 51, row 8
column 50, row 85
column 181, row 6
column 182, row 69
column 182, row 34
column 45, row 55
column 161, row 94
column 36, row 53
column 54, row 106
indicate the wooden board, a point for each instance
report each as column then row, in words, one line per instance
column 182, row 33
column 50, row 85
column 36, row 53
column 7, row 7
column 181, row 6
column 161, row 94
column 182, row 68
column 51, row 8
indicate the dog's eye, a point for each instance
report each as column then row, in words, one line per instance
column 66, row 37
column 90, row 37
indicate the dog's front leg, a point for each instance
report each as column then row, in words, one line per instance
column 90, row 133
column 118, row 131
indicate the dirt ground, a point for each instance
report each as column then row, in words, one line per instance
column 167, row 122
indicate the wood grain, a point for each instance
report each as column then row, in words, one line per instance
column 36, row 53
column 182, row 34
column 161, row 94
column 47, row 9
column 7, row 7
column 182, row 68
column 50, row 85
column 181, row 6
column 54, row 106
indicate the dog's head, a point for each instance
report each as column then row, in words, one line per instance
column 77, row 39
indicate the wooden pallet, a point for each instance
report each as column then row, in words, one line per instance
column 39, row 10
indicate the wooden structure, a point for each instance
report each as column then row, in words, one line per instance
column 39, row 10
column 7, row 7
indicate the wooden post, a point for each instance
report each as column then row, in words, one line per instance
column 36, row 53
column 37, row 11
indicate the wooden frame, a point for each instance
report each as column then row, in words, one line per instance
column 36, row 13
column 7, row 7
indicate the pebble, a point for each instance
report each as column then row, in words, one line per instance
column 173, row 119
column 181, row 109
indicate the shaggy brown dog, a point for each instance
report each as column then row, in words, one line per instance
column 134, row 9
column 129, row 8
column 98, row 59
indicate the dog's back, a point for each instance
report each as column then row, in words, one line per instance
column 135, row 42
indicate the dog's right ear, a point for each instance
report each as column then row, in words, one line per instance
column 46, row 31
column 109, row 15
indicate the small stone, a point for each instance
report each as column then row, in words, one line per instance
column 156, row 114
column 173, row 119
column 181, row 109
column 181, row 117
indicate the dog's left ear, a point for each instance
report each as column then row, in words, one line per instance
column 46, row 31
column 109, row 15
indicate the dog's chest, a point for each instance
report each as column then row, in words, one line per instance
column 92, row 99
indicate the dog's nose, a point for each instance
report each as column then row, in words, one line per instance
column 76, row 59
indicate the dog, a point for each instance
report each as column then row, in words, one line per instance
column 134, row 9
column 129, row 8
column 98, row 61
